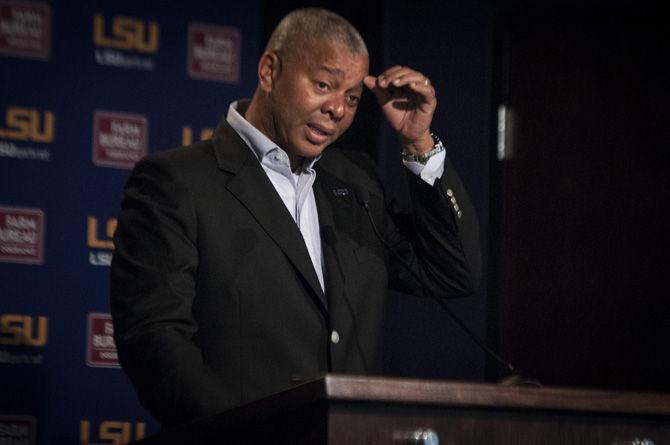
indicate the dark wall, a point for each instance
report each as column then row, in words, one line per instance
column 450, row 42
column 580, row 201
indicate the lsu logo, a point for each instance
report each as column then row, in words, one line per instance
column 187, row 135
column 110, row 432
column 23, row 330
column 96, row 240
column 127, row 33
column 28, row 124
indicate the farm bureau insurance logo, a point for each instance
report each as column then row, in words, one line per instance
column 125, row 42
column 100, row 346
column 21, row 235
column 20, row 335
column 23, row 126
column 17, row 430
column 214, row 52
column 99, row 239
column 25, row 29
column 119, row 139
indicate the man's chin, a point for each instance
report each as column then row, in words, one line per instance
column 311, row 150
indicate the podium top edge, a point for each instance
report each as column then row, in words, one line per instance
column 350, row 388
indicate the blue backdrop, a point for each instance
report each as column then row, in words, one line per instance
column 86, row 89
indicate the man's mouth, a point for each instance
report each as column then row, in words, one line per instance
column 318, row 134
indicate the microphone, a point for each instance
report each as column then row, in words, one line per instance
column 363, row 199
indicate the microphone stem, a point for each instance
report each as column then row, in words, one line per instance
column 439, row 301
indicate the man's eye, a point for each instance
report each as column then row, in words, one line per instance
column 353, row 100
column 321, row 85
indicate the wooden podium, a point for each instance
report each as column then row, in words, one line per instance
column 352, row 410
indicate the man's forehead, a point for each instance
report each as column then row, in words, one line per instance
column 340, row 74
column 333, row 53
column 335, row 71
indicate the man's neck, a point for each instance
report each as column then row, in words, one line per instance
column 254, row 114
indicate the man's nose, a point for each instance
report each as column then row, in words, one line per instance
column 335, row 107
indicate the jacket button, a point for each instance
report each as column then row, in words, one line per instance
column 335, row 337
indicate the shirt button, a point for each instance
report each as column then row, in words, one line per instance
column 335, row 337
column 450, row 193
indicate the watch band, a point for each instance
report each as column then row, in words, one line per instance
column 422, row 159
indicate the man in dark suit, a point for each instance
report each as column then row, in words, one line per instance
column 247, row 263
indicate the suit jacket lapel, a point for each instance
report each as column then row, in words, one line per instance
column 251, row 186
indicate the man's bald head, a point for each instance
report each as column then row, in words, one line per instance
column 303, row 27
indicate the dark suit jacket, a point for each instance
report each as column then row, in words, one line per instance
column 215, row 300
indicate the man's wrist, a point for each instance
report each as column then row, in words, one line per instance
column 422, row 158
column 417, row 147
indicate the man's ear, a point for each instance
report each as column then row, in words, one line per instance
column 269, row 67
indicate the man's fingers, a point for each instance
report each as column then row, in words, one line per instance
column 400, row 76
column 422, row 87
column 412, row 81
column 372, row 83
column 409, row 78
column 393, row 72
column 401, row 83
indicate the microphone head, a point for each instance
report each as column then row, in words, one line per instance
column 362, row 195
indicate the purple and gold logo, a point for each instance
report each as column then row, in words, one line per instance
column 99, row 238
column 214, row 53
column 21, row 235
column 125, row 42
column 27, row 126
column 23, row 330
column 187, row 135
column 100, row 346
column 119, row 139
column 22, row 337
column 112, row 432
column 25, row 29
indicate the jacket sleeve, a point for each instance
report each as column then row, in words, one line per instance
column 439, row 240
column 152, row 290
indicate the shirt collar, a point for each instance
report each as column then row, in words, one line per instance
column 259, row 143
